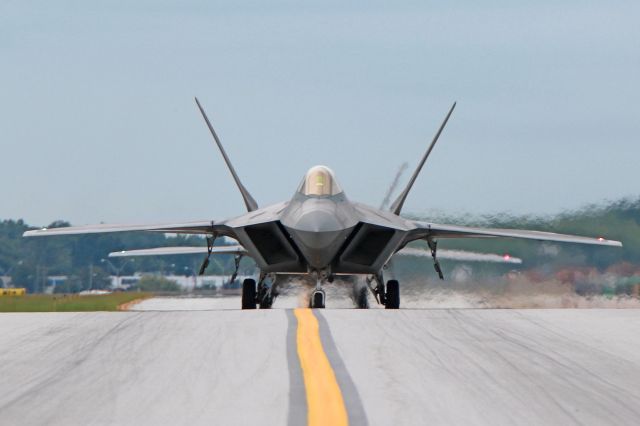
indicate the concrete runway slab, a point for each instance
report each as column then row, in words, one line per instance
column 172, row 365
column 151, row 368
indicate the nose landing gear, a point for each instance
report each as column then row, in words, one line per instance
column 317, row 300
column 318, row 296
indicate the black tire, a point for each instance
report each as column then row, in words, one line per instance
column 249, row 294
column 361, row 298
column 392, row 298
column 317, row 300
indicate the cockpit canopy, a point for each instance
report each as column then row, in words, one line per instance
column 319, row 181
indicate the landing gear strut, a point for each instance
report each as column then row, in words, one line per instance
column 433, row 246
column 236, row 260
column 377, row 291
column 266, row 294
column 205, row 262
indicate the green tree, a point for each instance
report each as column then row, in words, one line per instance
column 157, row 283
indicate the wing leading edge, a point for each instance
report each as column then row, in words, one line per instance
column 202, row 227
column 434, row 230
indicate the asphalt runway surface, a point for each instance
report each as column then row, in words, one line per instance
column 203, row 361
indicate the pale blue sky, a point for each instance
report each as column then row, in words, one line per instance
column 98, row 123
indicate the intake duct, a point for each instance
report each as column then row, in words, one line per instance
column 272, row 243
column 366, row 243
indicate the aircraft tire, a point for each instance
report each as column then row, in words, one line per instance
column 392, row 299
column 317, row 300
column 361, row 298
column 249, row 294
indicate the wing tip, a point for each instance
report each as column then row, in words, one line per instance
column 34, row 232
column 606, row 242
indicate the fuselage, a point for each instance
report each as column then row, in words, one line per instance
column 319, row 225
column 321, row 230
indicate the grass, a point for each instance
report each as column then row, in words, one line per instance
column 67, row 302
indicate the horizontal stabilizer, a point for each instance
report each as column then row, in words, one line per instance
column 462, row 255
column 166, row 251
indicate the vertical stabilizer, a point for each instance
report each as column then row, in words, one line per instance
column 396, row 207
column 249, row 201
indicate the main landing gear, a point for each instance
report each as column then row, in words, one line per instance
column 392, row 298
column 249, row 294
column 261, row 295
column 266, row 294
column 389, row 296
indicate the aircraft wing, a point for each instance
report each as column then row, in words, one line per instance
column 163, row 251
column 202, row 227
column 433, row 230
column 461, row 255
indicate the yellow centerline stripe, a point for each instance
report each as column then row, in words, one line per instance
column 324, row 398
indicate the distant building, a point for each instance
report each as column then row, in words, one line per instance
column 185, row 282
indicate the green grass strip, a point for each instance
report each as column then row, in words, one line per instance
column 67, row 302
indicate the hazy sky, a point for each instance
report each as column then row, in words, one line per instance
column 98, row 123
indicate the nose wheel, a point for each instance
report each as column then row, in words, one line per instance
column 317, row 300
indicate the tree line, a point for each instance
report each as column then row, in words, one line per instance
column 83, row 258
column 30, row 260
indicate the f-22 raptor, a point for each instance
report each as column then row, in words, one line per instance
column 319, row 233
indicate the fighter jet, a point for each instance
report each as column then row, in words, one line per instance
column 321, row 234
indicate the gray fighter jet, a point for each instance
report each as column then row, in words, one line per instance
column 320, row 234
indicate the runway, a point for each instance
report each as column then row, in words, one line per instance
column 202, row 361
